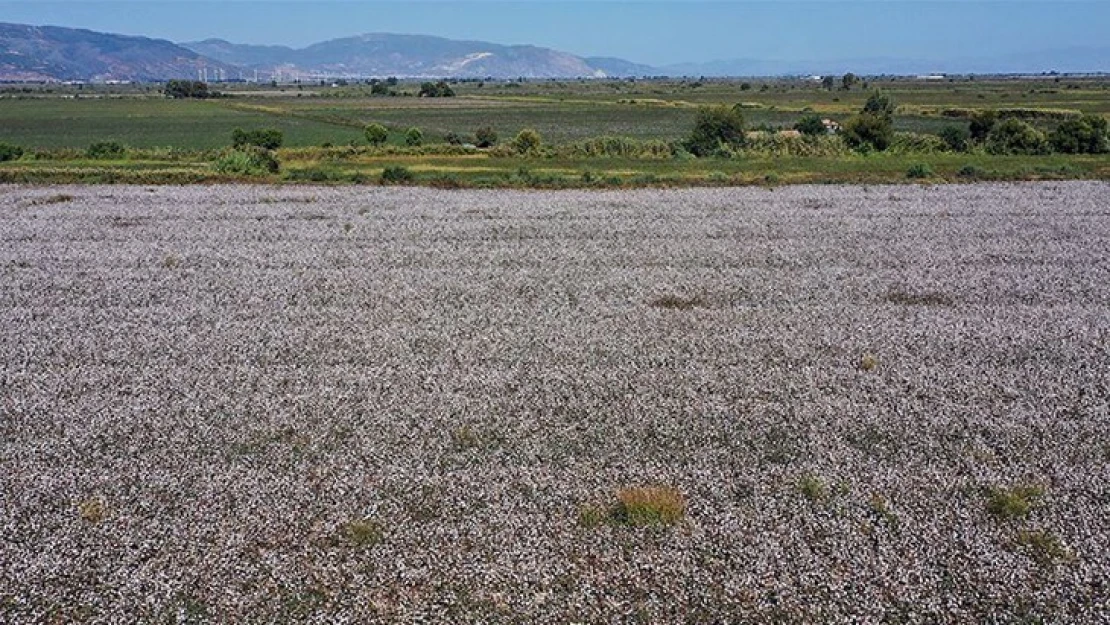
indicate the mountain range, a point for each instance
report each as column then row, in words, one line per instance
column 51, row 53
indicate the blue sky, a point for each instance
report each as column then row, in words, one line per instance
column 658, row 32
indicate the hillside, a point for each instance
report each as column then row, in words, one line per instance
column 55, row 53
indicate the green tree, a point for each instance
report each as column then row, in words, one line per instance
column 414, row 137
column 379, row 88
column 1013, row 136
column 811, row 125
column 436, row 90
column 1086, row 135
column 186, row 89
column 879, row 103
column 828, row 82
column 715, row 127
column 527, row 141
column 377, row 134
column 848, row 81
column 867, row 131
column 485, row 137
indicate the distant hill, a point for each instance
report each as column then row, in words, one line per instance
column 383, row 54
column 36, row 53
column 1077, row 59
column 55, row 53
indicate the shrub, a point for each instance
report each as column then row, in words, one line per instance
column 313, row 174
column 811, row 125
column 955, row 137
column 247, row 161
column 453, row 138
column 916, row 143
column 982, row 122
column 527, row 141
column 9, row 152
column 1086, row 135
column 1014, row 136
column 485, row 137
column 105, row 150
column 715, row 127
column 396, row 174
column 377, row 134
column 617, row 146
column 919, row 170
column 867, row 131
column 268, row 138
column 414, row 137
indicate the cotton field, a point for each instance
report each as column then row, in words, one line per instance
column 241, row 404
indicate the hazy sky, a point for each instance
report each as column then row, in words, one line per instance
column 658, row 32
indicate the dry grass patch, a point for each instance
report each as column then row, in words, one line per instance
column 92, row 510
column 677, row 302
column 1043, row 546
column 59, row 198
column 880, row 507
column 363, row 533
column 868, row 362
column 639, row 506
column 465, row 437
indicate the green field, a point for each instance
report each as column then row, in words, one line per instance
column 177, row 140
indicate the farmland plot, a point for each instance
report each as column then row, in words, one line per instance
column 271, row 404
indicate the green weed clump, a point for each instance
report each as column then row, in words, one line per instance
column 1013, row 503
column 813, row 488
column 103, row 150
column 396, row 174
column 919, row 171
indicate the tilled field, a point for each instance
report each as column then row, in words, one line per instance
column 293, row 404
